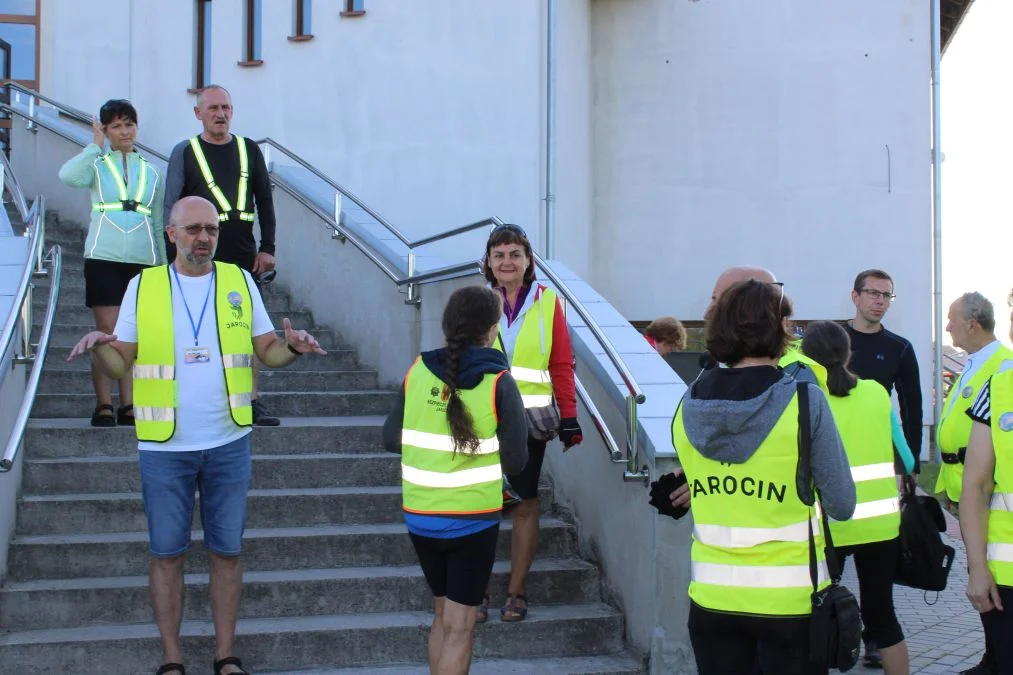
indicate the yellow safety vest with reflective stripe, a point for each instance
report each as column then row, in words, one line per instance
column 435, row 479
column 224, row 206
column 155, row 391
column 529, row 363
column 1000, row 514
column 863, row 420
column 750, row 550
column 794, row 355
column 125, row 203
column 954, row 428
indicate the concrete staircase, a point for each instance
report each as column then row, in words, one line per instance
column 332, row 584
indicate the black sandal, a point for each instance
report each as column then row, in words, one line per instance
column 125, row 415
column 171, row 667
column 100, row 420
column 229, row 661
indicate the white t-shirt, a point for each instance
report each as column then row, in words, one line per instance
column 203, row 418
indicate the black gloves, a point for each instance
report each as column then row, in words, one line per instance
column 569, row 432
column 660, row 491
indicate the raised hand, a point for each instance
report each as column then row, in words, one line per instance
column 99, row 138
column 90, row 342
column 300, row 340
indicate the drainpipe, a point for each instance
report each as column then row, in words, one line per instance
column 937, row 236
column 550, row 130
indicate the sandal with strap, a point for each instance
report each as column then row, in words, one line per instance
column 171, row 668
column 483, row 609
column 100, row 420
column 229, row 661
column 125, row 415
column 511, row 612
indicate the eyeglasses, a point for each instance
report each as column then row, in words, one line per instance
column 509, row 227
column 876, row 295
column 194, row 230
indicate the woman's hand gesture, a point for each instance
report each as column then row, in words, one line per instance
column 99, row 138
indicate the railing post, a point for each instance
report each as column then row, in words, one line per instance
column 411, row 298
column 40, row 223
column 635, row 471
column 30, row 125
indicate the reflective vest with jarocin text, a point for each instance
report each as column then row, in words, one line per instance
column 750, row 550
column 954, row 428
column 863, row 419
column 224, row 206
column 156, row 396
column 436, row 479
column 999, row 550
column 529, row 362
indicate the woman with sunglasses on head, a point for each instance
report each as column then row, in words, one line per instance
column 124, row 235
column 535, row 339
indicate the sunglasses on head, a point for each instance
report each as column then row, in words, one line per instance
column 509, row 227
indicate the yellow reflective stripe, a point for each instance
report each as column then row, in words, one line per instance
column 146, row 414
column 244, row 172
column 223, row 216
column 536, row 400
column 443, row 443
column 237, row 360
column 533, row 375
column 142, row 372
column 120, row 185
column 780, row 576
column 1000, row 552
column 202, row 162
column 246, row 216
column 117, row 206
column 142, row 180
column 747, row 537
column 455, row 479
column 879, row 507
column 1002, row 501
column 240, row 400
column 872, row 472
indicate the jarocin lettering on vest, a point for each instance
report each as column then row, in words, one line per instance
column 748, row 485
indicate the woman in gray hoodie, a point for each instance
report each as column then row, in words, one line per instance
column 737, row 436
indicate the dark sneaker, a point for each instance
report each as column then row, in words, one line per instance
column 261, row 418
column 872, row 659
column 982, row 668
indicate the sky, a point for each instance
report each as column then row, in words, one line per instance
column 977, row 173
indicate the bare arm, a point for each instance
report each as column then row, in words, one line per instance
column 113, row 357
column 979, row 471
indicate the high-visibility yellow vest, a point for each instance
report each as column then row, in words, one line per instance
column 435, row 479
column 529, row 363
column 954, row 428
column 125, row 203
column 1000, row 514
column 794, row 355
column 750, row 550
column 155, row 390
column 224, row 206
column 863, row 420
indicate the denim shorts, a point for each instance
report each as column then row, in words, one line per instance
column 169, row 481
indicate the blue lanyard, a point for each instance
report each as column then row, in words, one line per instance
column 196, row 328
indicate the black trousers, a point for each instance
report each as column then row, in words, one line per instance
column 999, row 632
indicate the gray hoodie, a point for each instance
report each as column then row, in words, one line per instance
column 731, row 431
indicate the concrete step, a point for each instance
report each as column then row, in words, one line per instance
column 79, row 314
column 334, row 641
column 64, row 556
column 606, row 664
column 68, row 603
column 296, row 507
column 335, row 359
column 72, row 295
column 75, row 437
column 93, row 475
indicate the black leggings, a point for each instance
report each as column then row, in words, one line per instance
column 875, row 563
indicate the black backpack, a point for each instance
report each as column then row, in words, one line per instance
column 924, row 561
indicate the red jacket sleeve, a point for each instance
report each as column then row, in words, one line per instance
column 561, row 366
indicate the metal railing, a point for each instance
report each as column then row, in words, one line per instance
column 636, row 469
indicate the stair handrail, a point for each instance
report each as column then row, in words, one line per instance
column 635, row 471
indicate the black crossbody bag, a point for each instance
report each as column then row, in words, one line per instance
column 835, row 627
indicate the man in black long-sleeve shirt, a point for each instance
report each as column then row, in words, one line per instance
column 216, row 152
column 877, row 354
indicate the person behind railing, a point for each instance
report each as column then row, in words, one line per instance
column 535, row 339
column 459, row 425
column 124, row 233
column 189, row 331
column 864, row 417
column 736, row 435
column 666, row 334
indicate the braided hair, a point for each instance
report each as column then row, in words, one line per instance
column 828, row 344
column 470, row 314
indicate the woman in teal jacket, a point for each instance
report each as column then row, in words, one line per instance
column 124, row 234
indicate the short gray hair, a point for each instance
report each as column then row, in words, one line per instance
column 976, row 307
column 200, row 94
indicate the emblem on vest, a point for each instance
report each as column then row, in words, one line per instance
column 1006, row 421
column 967, row 391
column 236, row 303
column 438, row 398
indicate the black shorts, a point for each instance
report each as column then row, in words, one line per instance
column 725, row 643
column 106, row 281
column 525, row 483
column 875, row 563
column 458, row 569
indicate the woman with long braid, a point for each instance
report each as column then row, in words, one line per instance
column 459, row 425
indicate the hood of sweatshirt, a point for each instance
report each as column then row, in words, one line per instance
column 475, row 362
column 732, row 430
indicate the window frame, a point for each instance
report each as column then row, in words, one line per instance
column 354, row 8
column 252, row 33
column 31, row 20
column 201, row 45
column 302, row 21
